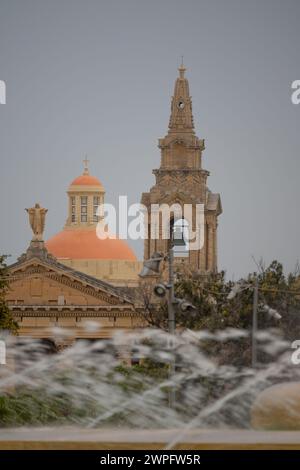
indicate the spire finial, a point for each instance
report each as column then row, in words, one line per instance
column 86, row 166
column 182, row 68
column 181, row 119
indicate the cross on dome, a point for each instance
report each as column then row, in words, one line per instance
column 86, row 166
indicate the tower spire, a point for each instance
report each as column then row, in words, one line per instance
column 182, row 68
column 181, row 119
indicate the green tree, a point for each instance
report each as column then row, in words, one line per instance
column 6, row 320
column 215, row 311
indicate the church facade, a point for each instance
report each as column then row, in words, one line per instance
column 45, row 295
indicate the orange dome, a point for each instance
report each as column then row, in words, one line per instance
column 84, row 244
column 86, row 180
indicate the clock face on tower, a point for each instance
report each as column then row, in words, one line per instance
column 180, row 104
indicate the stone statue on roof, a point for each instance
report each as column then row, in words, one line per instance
column 37, row 216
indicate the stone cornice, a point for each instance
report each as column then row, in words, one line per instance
column 73, row 311
column 190, row 141
column 180, row 171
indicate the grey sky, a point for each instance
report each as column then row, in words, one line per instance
column 96, row 77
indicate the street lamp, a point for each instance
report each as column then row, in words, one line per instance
column 151, row 267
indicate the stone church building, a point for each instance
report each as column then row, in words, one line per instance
column 75, row 278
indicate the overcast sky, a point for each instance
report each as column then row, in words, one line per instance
column 96, row 77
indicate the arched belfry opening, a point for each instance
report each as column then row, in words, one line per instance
column 181, row 235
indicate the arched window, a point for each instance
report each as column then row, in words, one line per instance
column 84, row 202
column 73, row 209
column 96, row 204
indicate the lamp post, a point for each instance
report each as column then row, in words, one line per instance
column 237, row 288
column 272, row 313
column 171, row 322
column 171, row 296
column 151, row 267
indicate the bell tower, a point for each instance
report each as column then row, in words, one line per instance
column 181, row 180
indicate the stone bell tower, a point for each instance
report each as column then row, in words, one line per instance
column 182, row 180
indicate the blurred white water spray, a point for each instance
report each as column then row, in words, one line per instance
column 88, row 384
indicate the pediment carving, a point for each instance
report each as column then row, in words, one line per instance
column 64, row 279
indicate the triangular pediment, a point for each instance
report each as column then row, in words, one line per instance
column 52, row 277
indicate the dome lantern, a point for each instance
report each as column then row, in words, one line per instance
column 85, row 195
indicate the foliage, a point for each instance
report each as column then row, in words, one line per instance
column 6, row 320
column 215, row 311
column 36, row 406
